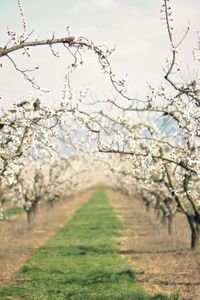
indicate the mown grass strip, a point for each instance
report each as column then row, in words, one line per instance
column 80, row 262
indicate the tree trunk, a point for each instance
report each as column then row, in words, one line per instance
column 195, row 239
column 147, row 206
column 29, row 216
column 195, row 232
column 157, row 213
column 35, row 207
column 170, row 224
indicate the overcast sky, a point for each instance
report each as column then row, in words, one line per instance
column 132, row 26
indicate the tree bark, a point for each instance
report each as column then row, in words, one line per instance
column 195, row 232
column 170, row 224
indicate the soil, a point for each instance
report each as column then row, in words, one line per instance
column 162, row 262
column 19, row 240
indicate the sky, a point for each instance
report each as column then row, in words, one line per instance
column 133, row 27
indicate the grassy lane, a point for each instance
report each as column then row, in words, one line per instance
column 80, row 262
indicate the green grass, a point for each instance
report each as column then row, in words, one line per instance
column 10, row 212
column 80, row 262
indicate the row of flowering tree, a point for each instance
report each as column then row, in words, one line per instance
column 43, row 157
column 43, row 147
column 153, row 144
column 149, row 147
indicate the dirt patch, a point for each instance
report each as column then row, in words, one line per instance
column 18, row 240
column 163, row 262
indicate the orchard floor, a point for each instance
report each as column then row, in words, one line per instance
column 18, row 240
column 162, row 262
column 81, row 261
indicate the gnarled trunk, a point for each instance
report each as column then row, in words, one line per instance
column 195, row 232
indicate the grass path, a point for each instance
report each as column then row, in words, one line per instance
column 19, row 241
column 80, row 262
